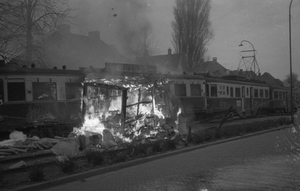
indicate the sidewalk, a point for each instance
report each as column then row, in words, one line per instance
column 132, row 164
column 252, row 163
column 202, row 126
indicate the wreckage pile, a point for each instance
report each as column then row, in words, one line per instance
column 19, row 143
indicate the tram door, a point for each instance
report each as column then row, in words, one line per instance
column 251, row 100
column 243, row 100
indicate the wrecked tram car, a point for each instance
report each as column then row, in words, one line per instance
column 128, row 104
column 40, row 98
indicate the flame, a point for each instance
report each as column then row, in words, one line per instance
column 147, row 117
column 178, row 116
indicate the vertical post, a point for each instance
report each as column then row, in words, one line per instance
column 291, row 70
column 138, row 105
column 123, row 112
column 83, row 112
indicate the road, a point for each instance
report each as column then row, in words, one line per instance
column 262, row 162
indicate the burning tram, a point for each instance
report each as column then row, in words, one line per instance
column 34, row 97
column 127, row 103
column 125, row 99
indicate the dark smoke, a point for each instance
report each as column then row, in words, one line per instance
column 120, row 21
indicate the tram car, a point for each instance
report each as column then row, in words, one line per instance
column 209, row 97
column 35, row 97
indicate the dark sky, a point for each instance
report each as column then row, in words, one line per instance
column 262, row 22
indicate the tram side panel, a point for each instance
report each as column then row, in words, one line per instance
column 28, row 99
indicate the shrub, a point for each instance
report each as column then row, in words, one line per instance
column 121, row 157
column 219, row 133
column 67, row 165
column 1, row 175
column 197, row 138
column 140, row 150
column 170, row 145
column 36, row 174
column 94, row 157
column 157, row 147
column 209, row 134
column 115, row 157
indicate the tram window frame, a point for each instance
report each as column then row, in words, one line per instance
column 231, row 92
column 255, row 92
column 267, row 93
column 237, row 92
column 180, row 89
column 213, row 90
column 276, row 96
column 227, row 90
column 73, row 90
column 280, row 96
column 49, row 90
column 16, row 90
column 1, row 90
column 195, row 89
column 261, row 93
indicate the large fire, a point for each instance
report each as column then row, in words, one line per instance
column 145, row 111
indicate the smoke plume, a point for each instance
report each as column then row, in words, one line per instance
column 120, row 22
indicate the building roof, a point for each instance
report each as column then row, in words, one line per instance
column 269, row 79
column 73, row 50
column 165, row 63
column 212, row 68
column 172, row 63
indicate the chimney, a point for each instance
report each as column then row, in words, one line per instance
column 215, row 59
column 94, row 35
column 64, row 29
column 169, row 51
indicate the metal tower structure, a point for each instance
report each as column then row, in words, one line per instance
column 248, row 66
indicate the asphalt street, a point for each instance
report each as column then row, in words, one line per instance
column 263, row 162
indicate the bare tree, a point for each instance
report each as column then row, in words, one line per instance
column 191, row 30
column 295, row 84
column 145, row 46
column 295, row 80
column 24, row 23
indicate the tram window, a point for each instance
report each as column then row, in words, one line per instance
column 275, row 95
column 284, row 95
column 227, row 90
column 195, row 90
column 261, row 93
column 1, row 91
column 180, row 89
column 280, row 95
column 73, row 90
column 44, row 91
column 266, row 93
column 16, row 91
column 238, row 92
column 255, row 92
column 247, row 91
column 214, row 90
column 231, row 91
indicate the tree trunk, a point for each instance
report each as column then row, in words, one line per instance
column 29, row 39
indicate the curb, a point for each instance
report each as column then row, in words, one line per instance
column 99, row 171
